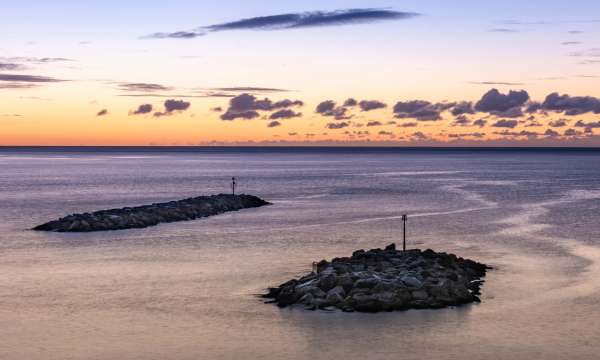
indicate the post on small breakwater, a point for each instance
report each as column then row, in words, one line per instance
column 404, row 218
column 233, row 186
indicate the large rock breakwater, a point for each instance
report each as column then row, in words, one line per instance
column 384, row 280
column 149, row 215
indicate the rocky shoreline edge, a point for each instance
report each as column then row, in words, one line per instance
column 150, row 215
column 384, row 280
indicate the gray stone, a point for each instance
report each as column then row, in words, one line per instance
column 327, row 282
column 412, row 281
column 367, row 283
column 345, row 281
column 307, row 299
column 334, row 298
column 420, row 295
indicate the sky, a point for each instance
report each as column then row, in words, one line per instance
column 428, row 72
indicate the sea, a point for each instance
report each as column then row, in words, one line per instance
column 188, row 290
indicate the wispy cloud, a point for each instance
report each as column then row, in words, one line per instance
column 143, row 87
column 248, row 89
column 496, row 83
column 504, row 30
column 12, row 66
column 549, row 22
column 17, row 86
column 208, row 95
column 314, row 19
column 294, row 21
column 35, row 60
column 175, row 35
column 28, row 78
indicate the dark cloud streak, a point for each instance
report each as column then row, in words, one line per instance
column 29, row 78
column 294, row 21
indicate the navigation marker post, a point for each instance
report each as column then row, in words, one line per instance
column 233, row 186
column 404, row 218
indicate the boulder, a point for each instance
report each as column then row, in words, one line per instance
column 346, row 282
column 412, row 281
column 366, row 283
column 335, row 295
column 327, row 282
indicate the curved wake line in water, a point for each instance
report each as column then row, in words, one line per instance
column 411, row 173
column 357, row 221
column 523, row 224
column 458, row 188
column 470, row 195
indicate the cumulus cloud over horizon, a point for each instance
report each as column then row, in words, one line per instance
column 368, row 105
column 510, row 113
column 420, row 110
column 340, row 125
column 494, row 101
column 173, row 106
column 506, row 123
column 285, row 114
column 571, row 105
column 329, row 108
column 247, row 106
column 143, row 109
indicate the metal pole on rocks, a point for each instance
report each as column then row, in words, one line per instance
column 404, row 218
column 233, row 186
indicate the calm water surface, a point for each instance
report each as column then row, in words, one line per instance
column 187, row 290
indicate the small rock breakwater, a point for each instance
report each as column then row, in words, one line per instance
column 149, row 215
column 385, row 280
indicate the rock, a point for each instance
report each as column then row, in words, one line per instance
column 307, row 287
column 365, row 303
column 327, row 282
column 322, row 265
column 338, row 290
column 367, row 283
column 420, row 295
column 346, row 282
column 440, row 291
column 335, row 295
column 382, row 286
column 385, row 280
column 412, row 281
column 286, row 297
column 386, row 299
column 307, row 299
column 319, row 294
column 149, row 215
column 358, row 253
